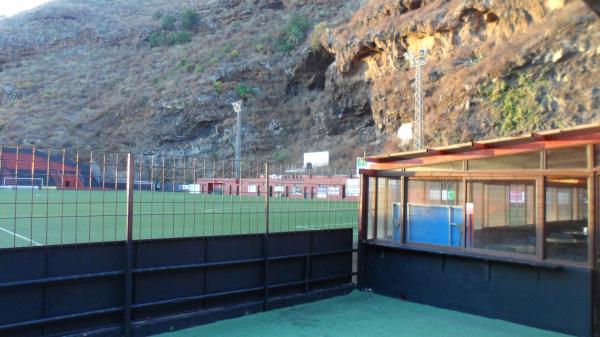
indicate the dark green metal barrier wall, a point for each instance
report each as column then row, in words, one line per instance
column 176, row 283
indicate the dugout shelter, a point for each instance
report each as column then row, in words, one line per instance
column 504, row 228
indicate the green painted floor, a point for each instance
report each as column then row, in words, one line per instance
column 362, row 314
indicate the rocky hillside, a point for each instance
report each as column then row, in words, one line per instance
column 105, row 73
column 494, row 68
column 330, row 75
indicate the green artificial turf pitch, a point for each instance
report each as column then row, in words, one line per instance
column 362, row 314
column 50, row 217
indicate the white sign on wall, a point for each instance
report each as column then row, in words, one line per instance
column 321, row 192
column 361, row 163
column 194, row 188
column 252, row 189
column 517, row 197
column 470, row 208
column 333, row 190
column 353, row 187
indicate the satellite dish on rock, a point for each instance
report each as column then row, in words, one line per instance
column 405, row 133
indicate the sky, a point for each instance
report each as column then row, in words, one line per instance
column 12, row 7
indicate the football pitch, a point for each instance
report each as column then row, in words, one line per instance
column 54, row 217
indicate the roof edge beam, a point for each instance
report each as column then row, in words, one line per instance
column 478, row 145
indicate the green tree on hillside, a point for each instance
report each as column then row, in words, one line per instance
column 244, row 91
column 174, row 38
column 168, row 22
column 190, row 19
column 293, row 34
column 156, row 39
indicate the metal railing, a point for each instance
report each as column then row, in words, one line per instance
column 64, row 196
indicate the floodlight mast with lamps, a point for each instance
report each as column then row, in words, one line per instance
column 237, row 107
column 418, row 62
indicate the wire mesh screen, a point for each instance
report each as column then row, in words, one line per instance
column 320, row 198
column 181, row 197
column 59, row 196
column 63, row 196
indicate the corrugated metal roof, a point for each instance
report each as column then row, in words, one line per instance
column 555, row 134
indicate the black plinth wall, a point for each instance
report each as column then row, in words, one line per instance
column 549, row 297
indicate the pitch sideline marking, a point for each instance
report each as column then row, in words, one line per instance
column 21, row 236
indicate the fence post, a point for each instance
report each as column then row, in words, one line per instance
column 266, row 241
column 363, row 224
column 129, row 250
column 267, row 199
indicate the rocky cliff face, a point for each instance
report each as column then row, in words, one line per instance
column 493, row 67
column 85, row 73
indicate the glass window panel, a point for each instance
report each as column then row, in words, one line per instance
column 597, row 155
column 566, row 219
column 451, row 166
column 372, row 207
column 503, row 216
column 572, row 157
column 435, row 212
column 436, row 192
column 389, row 209
column 527, row 161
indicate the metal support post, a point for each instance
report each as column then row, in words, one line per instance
column 129, row 250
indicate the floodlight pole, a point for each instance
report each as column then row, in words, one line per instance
column 418, row 62
column 237, row 107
